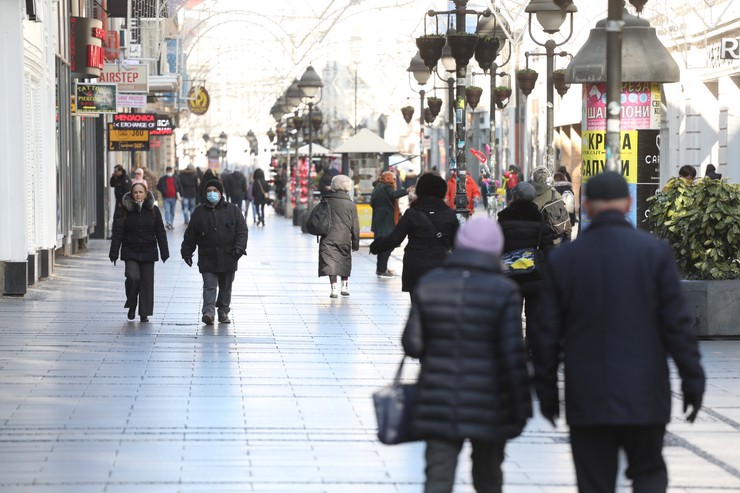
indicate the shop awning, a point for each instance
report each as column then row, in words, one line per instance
column 366, row 141
column 316, row 150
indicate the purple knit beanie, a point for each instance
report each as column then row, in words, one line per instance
column 481, row 234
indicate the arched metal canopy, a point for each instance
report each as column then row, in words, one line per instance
column 644, row 58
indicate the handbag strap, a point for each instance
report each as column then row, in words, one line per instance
column 399, row 372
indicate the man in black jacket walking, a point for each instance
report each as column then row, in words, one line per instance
column 612, row 306
column 217, row 228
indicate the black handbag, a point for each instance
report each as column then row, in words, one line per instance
column 393, row 410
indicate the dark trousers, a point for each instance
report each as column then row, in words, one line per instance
column 213, row 282
column 531, row 302
column 595, row 452
column 140, row 286
column 441, row 462
column 381, row 264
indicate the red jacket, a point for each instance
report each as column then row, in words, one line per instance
column 471, row 189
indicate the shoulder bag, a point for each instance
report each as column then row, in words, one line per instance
column 393, row 410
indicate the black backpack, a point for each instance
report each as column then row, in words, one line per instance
column 556, row 216
column 319, row 220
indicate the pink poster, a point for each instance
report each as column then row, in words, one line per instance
column 640, row 106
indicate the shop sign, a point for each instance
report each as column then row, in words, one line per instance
column 198, row 100
column 130, row 78
column 127, row 140
column 131, row 100
column 87, row 56
column 95, row 98
column 163, row 126
column 730, row 49
column 134, row 121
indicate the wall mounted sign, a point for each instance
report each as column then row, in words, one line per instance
column 127, row 140
column 198, row 100
column 134, row 121
column 86, row 47
column 129, row 78
column 95, row 98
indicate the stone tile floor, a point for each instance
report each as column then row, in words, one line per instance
column 278, row 401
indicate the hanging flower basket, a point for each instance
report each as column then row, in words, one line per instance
column 486, row 51
column 472, row 95
column 428, row 116
column 462, row 47
column 430, row 48
column 526, row 79
column 501, row 95
column 408, row 113
column 558, row 80
column 435, row 105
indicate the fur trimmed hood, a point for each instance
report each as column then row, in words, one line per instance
column 130, row 205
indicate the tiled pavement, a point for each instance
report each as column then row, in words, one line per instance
column 278, row 401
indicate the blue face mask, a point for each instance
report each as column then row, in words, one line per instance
column 212, row 197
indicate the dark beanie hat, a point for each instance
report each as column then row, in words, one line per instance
column 215, row 183
column 431, row 185
column 524, row 191
column 607, row 185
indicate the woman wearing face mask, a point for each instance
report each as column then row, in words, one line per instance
column 138, row 230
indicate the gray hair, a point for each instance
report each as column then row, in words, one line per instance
column 341, row 183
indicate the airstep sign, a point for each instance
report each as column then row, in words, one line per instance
column 127, row 140
column 129, row 78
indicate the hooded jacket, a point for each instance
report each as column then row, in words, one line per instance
column 216, row 231
column 335, row 249
column 138, row 231
column 188, row 183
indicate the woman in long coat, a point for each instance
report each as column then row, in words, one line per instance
column 335, row 249
column 384, row 201
column 259, row 194
column 430, row 226
column 138, row 230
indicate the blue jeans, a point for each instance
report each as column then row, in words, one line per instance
column 222, row 282
column 188, row 206
column 169, row 210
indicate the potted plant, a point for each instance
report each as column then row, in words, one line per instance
column 701, row 222
column 462, row 46
column 558, row 80
column 435, row 105
column 408, row 113
column 428, row 116
column 526, row 78
column 486, row 51
column 472, row 95
column 501, row 95
column 317, row 119
column 430, row 48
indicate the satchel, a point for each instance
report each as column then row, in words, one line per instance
column 523, row 263
column 393, row 410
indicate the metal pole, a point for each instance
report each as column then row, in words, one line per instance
column 493, row 165
column 550, row 150
column 614, row 25
column 461, row 196
column 451, row 121
column 310, row 149
column 421, row 130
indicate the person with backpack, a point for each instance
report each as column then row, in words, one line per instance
column 343, row 237
column 565, row 188
column 551, row 204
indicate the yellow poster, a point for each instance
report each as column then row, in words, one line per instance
column 365, row 213
column 593, row 152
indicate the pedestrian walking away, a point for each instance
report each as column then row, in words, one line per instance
column 552, row 206
column 612, row 312
column 335, row 249
column 169, row 187
column 430, row 226
column 465, row 328
column 386, row 213
column 137, row 232
column 259, row 194
column 219, row 232
column 188, row 191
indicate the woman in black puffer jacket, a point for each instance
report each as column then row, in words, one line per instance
column 137, row 231
column 430, row 225
column 465, row 328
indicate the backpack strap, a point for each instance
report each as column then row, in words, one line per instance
column 438, row 233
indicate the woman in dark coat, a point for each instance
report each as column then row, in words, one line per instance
column 465, row 327
column 335, row 249
column 524, row 227
column 430, row 226
column 259, row 194
column 138, row 230
column 384, row 201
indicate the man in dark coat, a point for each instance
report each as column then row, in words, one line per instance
column 613, row 308
column 384, row 201
column 189, row 191
column 120, row 182
column 335, row 249
column 430, row 226
column 238, row 184
column 329, row 172
column 465, row 327
column 219, row 231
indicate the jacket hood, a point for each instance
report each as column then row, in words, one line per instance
column 187, row 171
column 474, row 259
column 521, row 210
column 130, row 205
column 564, row 184
column 540, row 187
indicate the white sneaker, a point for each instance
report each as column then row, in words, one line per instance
column 345, row 289
column 334, row 291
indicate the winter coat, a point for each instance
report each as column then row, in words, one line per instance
column 259, row 191
column 424, row 251
column 546, row 194
column 561, row 187
column 324, row 185
column 121, row 185
column 613, row 307
column 335, row 249
column 523, row 227
column 236, row 185
column 471, row 190
column 162, row 186
column 383, row 202
column 138, row 232
column 188, row 183
column 216, row 230
column 207, row 176
column 473, row 381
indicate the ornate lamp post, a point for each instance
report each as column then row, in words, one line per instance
column 550, row 17
column 309, row 86
column 421, row 73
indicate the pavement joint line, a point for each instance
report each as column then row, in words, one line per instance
column 675, row 440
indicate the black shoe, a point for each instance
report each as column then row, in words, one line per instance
column 144, row 318
column 207, row 319
column 131, row 313
column 223, row 317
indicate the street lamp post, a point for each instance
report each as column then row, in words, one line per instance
column 309, row 86
column 550, row 17
column 421, row 73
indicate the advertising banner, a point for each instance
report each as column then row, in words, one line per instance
column 95, row 98
column 130, row 100
column 129, row 78
column 127, row 140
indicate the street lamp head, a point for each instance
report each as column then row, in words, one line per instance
column 310, row 83
column 549, row 15
column 293, row 94
column 420, row 71
column 448, row 61
column 185, row 139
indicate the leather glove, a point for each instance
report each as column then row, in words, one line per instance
column 189, row 261
column 691, row 400
column 237, row 253
column 355, row 245
column 113, row 259
column 164, row 259
column 549, row 414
